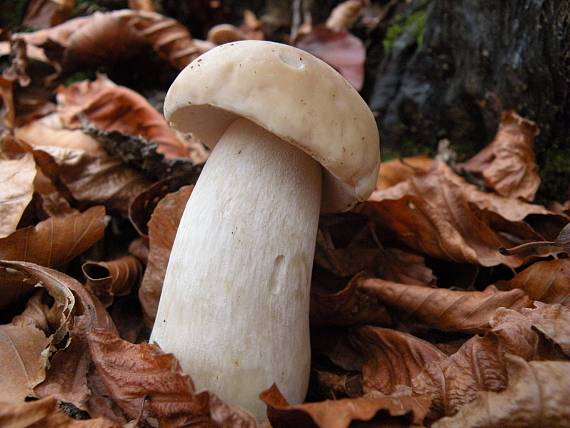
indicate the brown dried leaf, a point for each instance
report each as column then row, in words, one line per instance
column 479, row 365
column 398, row 170
column 114, row 278
column 47, row 13
column 162, row 231
column 508, row 164
column 23, row 352
column 542, row 248
column 143, row 378
column 345, row 14
column 378, row 410
column 73, row 313
column 434, row 214
column 104, row 38
column 116, row 108
column 17, row 178
column 537, row 395
column 403, row 267
column 55, row 241
column 340, row 49
column 385, row 358
column 547, row 281
column 44, row 413
column 553, row 321
column 349, row 306
column 447, row 310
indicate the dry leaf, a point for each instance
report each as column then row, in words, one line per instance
column 114, row 278
column 553, row 321
column 444, row 309
column 433, row 214
column 403, row 267
column 348, row 306
column 398, row 170
column 537, row 396
column 47, row 13
column 55, row 241
column 104, row 38
column 340, row 49
column 547, row 281
column 73, row 313
column 385, row 358
column 141, row 378
column 508, row 164
column 162, row 229
column 378, row 410
column 17, row 177
column 44, row 413
column 345, row 14
column 479, row 365
column 23, row 352
column 116, row 108
column 542, row 248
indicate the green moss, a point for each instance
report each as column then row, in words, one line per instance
column 406, row 147
column 414, row 21
column 554, row 167
column 79, row 76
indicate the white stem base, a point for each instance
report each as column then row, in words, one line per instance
column 234, row 308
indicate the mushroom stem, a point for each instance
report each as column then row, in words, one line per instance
column 234, row 308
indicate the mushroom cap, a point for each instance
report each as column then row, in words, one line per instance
column 291, row 94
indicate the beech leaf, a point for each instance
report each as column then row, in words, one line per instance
column 379, row 410
column 45, row 413
column 162, row 229
column 537, row 395
column 57, row 240
column 17, row 177
column 444, row 309
column 114, row 278
column 109, row 107
column 547, row 281
column 508, row 164
column 143, row 378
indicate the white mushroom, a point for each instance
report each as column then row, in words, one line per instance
column 285, row 128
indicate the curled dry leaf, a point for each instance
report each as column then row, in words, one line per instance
column 553, row 321
column 162, row 229
column 508, row 164
column 348, row 306
column 340, row 49
column 398, row 170
column 45, row 413
column 537, row 395
column 433, row 214
column 17, row 177
column 403, row 267
column 479, row 365
column 57, row 240
column 113, row 278
column 345, row 14
column 379, row 410
column 47, row 13
column 385, row 358
column 27, row 342
column 86, row 170
column 103, row 38
column 542, row 248
column 116, row 108
column 547, row 281
column 73, row 313
column 141, row 378
column 444, row 309
column 224, row 33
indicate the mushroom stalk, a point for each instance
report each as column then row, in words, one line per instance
column 234, row 308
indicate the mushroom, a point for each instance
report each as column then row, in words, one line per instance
column 290, row 137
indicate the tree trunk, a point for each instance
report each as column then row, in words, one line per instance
column 448, row 67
